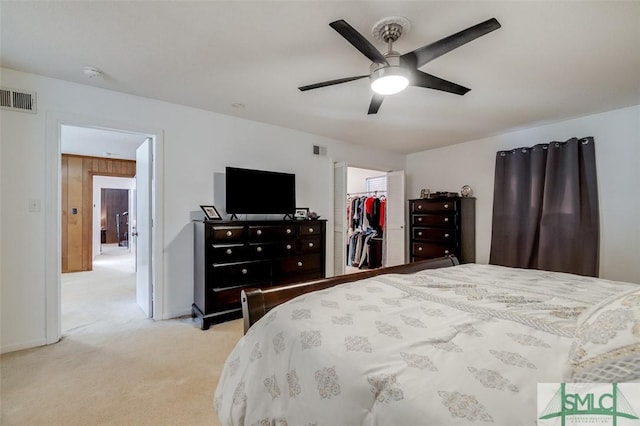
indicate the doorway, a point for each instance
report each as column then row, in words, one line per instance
column 366, row 205
column 113, row 215
column 368, row 218
column 104, row 207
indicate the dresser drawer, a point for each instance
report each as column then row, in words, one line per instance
column 287, row 248
column 241, row 273
column 298, row 263
column 225, row 253
column 230, row 297
column 310, row 245
column 270, row 233
column 433, row 220
column 432, row 250
column 442, row 235
column 309, row 229
column 227, row 233
column 433, row 206
column 264, row 250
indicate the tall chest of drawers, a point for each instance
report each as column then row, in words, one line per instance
column 233, row 255
column 441, row 227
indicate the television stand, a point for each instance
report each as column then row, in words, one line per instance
column 287, row 216
column 234, row 217
column 233, row 255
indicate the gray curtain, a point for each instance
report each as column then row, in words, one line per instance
column 545, row 208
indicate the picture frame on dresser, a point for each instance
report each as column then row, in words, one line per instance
column 301, row 213
column 210, row 213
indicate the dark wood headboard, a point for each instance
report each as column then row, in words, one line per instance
column 256, row 302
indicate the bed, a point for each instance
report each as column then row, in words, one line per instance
column 457, row 345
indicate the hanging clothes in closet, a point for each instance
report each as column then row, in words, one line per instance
column 365, row 216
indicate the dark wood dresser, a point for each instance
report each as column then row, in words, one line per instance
column 441, row 227
column 234, row 255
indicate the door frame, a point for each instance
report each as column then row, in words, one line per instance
column 53, row 224
column 348, row 165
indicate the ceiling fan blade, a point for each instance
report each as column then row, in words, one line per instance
column 434, row 50
column 376, row 101
column 358, row 41
column 422, row 79
column 331, row 82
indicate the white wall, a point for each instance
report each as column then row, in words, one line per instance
column 196, row 144
column 617, row 138
column 357, row 178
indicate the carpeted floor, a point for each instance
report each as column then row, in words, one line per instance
column 113, row 366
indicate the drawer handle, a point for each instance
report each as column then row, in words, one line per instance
column 419, row 219
column 446, row 206
column 229, row 233
column 299, row 263
column 259, row 249
column 310, row 230
column 419, row 248
column 288, row 230
column 229, row 251
column 288, row 246
column 310, row 244
column 259, row 232
column 420, row 233
column 419, row 206
column 446, row 252
column 244, row 272
column 446, row 219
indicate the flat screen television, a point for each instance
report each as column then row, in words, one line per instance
column 259, row 191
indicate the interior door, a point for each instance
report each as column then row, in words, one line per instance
column 395, row 218
column 142, row 232
column 339, row 217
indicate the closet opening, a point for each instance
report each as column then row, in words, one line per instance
column 365, row 219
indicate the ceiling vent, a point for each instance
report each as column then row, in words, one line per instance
column 17, row 100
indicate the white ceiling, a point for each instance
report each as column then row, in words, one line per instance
column 550, row 61
column 100, row 142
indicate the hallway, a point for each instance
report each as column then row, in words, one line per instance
column 106, row 294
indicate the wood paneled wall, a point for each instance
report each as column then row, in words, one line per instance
column 77, row 205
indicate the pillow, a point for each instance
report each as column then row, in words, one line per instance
column 606, row 347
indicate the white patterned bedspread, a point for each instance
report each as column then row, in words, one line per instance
column 452, row 346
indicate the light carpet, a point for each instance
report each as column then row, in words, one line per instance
column 113, row 366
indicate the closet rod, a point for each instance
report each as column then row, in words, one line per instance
column 349, row 194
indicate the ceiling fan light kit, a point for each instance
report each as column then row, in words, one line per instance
column 389, row 79
column 391, row 73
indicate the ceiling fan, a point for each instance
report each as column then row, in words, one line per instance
column 390, row 73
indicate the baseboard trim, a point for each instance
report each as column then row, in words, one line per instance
column 174, row 315
column 24, row 345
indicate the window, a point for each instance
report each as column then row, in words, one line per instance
column 376, row 183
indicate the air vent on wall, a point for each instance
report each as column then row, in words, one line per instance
column 320, row 150
column 17, row 100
